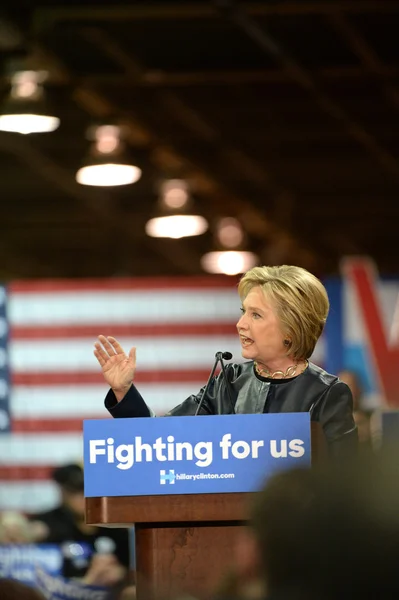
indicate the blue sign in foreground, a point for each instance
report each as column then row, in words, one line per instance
column 19, row 561
column 188, row 455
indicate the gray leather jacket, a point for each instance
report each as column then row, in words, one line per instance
column 328, row 400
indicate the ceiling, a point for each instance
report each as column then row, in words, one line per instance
column 283, row 114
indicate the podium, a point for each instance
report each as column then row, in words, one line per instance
column 184, row 543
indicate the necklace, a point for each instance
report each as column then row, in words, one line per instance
column 290, row 372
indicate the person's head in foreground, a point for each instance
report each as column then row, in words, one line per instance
column 15, row 590
column 331, row 533
column 284, row 310
column 69, row 479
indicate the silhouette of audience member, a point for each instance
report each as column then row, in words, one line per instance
column 128, row 593
column 65, row 525
column 361, row 416
column 15, row 590
column 330, row 533
column 15, row 528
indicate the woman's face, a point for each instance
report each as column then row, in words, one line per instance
column 259, row 329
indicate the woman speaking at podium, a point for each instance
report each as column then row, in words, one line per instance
column 284, row 310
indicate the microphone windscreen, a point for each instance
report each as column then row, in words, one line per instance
column 227, row 355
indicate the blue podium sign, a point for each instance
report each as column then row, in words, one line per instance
column 189, row 455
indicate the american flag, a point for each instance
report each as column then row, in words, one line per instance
column 50, row 380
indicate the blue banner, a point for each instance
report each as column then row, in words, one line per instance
column 189, row 455
column 19, row 561
column 58, row 588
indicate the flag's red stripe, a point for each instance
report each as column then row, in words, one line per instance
column 116, row 284
column 26, row 473
column 91, row 377
column 64, row 425
column 61, row 425
column 133, row 330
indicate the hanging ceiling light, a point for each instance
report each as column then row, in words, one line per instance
column 231, row 260
column 107, row 164
column 25, row 109
column 175, row 221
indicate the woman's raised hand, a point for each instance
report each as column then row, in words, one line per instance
column 117, row 367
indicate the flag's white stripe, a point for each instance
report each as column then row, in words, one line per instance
column 76, row 355
column 88, row 401
column 71, row 401
column 28, row 496
column 32, row 449
column 123, row 307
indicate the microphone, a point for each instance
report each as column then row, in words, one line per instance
column 225, row 355
column 219, row 356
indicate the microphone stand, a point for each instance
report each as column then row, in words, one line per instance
column 227, row 355
column 219, row 358
column 200, row 403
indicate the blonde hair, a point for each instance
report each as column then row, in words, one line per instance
column 300, row 300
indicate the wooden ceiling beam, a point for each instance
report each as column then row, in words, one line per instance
column 97, row 201
column 159, row 78
column 190, row 119
column 366, row 54
column 305, row 79
column 46, row 17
